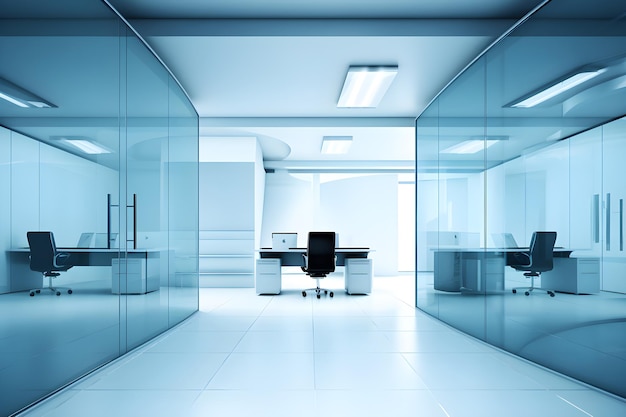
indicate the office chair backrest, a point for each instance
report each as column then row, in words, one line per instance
column 542, row 251
column 42, row 251
column 321, row 252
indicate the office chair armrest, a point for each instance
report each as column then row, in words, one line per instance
column 61, row 259
column 522, row 259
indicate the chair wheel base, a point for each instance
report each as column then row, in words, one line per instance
column 318, row 292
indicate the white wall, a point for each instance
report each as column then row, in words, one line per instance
column 290, row 205
column 363, row 210
column 231, row 182
column 73, row 195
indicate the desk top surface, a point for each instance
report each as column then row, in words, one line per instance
column 353, row 249
column 521, row 249
column 91, row 250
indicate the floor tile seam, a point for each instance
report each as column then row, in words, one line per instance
column 135, row 389
column 217, row 370
column 500, row 390
column 229, row 354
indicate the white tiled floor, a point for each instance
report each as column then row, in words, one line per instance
column 376, row 355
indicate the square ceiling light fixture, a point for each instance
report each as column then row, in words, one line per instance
column 557, row 87
column 20, row 97
column 334, row 145
column 474, row 145
column 85, row 145
column 366, row 86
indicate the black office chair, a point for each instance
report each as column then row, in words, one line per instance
column 44, row 258
column 319, row 259
column 537, row 260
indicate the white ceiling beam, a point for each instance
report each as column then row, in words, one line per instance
column 213, row 122
column 321, row 27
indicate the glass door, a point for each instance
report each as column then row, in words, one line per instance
column 144, row 273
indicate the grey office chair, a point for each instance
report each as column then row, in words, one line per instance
column 44, row 258
column 538, row 259
column 319, row 259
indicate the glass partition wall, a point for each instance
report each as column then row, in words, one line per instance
column 98, row 145
column 532, row 137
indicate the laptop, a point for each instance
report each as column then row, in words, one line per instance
column 85, row 240
column 504, row 240
column 284, row 240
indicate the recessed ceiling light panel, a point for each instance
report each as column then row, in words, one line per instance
column 85, row 145
column 20, row 97
column 470, row 146
column 366, row 86
column 334, row 145
column 557, row 88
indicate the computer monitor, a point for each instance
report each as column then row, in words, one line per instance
column 284, row 240
column 85, row 240
column 101, row 240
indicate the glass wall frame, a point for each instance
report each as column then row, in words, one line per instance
column 547, row 166
column 127, row 213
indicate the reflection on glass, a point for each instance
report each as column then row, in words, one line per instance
column 110, row 91
column 556, row 167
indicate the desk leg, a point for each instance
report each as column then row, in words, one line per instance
column 22, row 277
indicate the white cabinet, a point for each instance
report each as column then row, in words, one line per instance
column 573, row 275
column 267, row 276
column 141, row 275
column 358, row 276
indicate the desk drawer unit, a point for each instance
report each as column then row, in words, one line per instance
column 358, row 276
column 136, row 280
column 573, row 275
column 267, row 276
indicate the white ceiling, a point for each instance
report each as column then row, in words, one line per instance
column 274, row 69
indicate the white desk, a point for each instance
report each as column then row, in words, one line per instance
column 477, row 270
column 142, row 275
column 358, row 274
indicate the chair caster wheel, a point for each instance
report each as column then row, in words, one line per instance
column 332, row 294
column 69, row 291
column 318, row 296
column 325, row 292
column 304, row 293
column 526, row 293
column 551, row 293
column 32, row 293
column 58, row 293
column 514, row 291
column 38, row 291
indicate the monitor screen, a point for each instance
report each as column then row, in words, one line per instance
column 101, row 240
column 284, row 240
